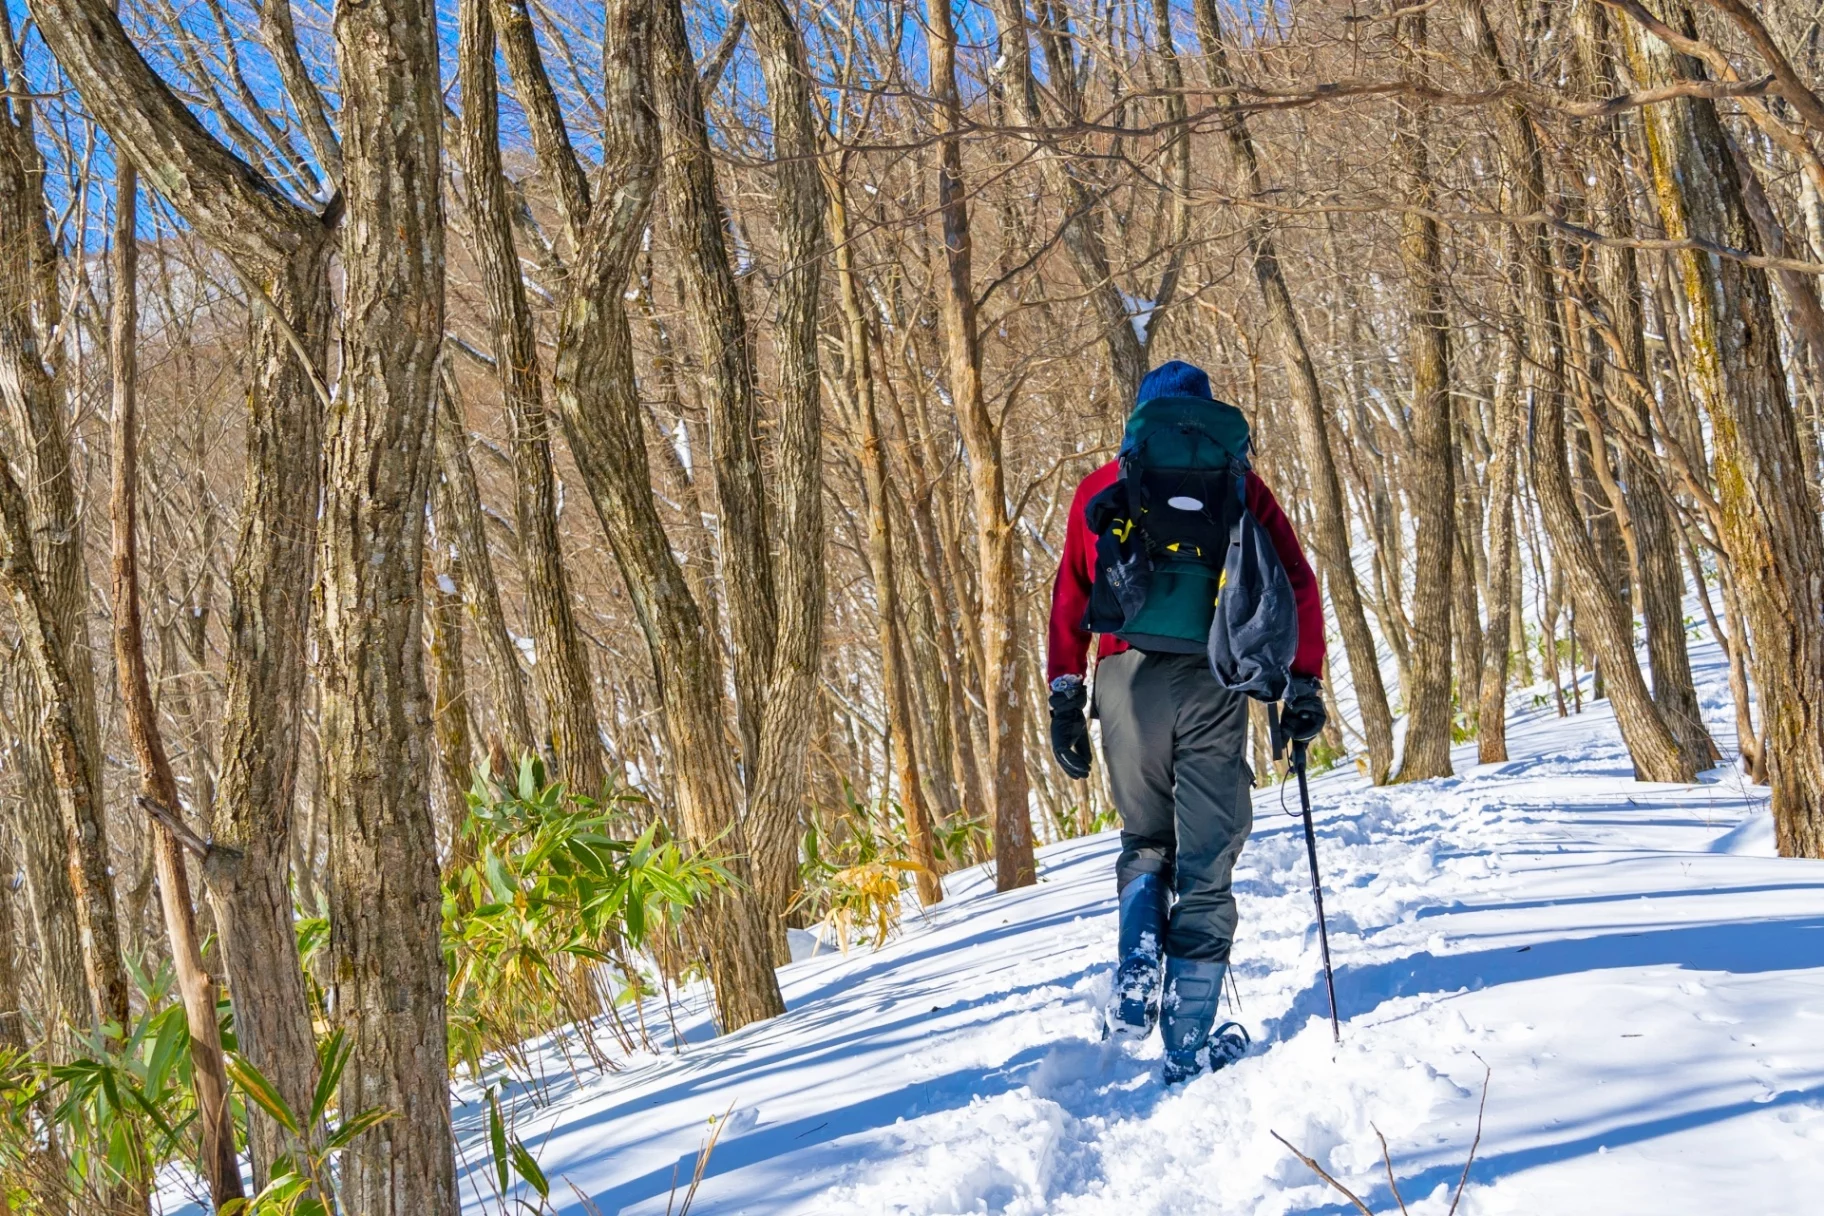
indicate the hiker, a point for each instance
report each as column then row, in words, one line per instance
column 1145, row 550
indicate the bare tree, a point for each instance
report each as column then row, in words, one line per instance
column 1657, row 756
column 776, row 801
column 1005, row 774
column 385, row 906
column 281, row 251
column 596, row 390
column 156, row 780
column 1770, row 526
column 27, row 291
column 1331, row 541
column 562, row 666
column 1432, row 457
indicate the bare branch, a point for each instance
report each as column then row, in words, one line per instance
column 1387, row 1160
column 1792, row 86
column 173, row 821
column 709, row 76
column 544, row 117
column 281, row 39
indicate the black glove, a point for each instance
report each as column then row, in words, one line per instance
column 1070, row 729
column 1303, row 717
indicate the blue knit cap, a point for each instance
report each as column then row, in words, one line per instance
column 1175, row 379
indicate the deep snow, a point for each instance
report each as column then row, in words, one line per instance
column 1644, row 980
column 1642, row 977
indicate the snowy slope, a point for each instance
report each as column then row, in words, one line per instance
column 1644, row 980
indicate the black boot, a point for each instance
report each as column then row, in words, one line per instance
column 1188, row 1009
column 1135, row 1006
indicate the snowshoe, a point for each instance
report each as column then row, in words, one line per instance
column 1193, row 988
column 1228, row 1043
column 1133, row 1008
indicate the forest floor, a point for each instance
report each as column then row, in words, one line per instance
column 1642, row 977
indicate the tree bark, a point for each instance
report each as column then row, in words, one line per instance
column 1330, row 539
column 1661, row 582
column 385, row 907
column 248, row 870
column 1503, row 566
column 995, row 537
column 97, row 998
column 449, row 680
column 562, row 667
column 942, row 599
column 209, row 1077
column 544, row 115
column 1770, row 529
column 30, row 397
column 71, row 767
column 1431, row 482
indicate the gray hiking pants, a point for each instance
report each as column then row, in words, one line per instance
column 1175, row 742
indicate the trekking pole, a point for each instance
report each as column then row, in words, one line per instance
column 1317, row 887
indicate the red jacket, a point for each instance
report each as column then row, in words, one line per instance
column 1067, row 648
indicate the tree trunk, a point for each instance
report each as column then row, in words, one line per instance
column 44, row 1167
column 385, row 906
column 449, row 680
column 941, row 595
column 1431, row 479
column 248, row 870
column 209, row 1078
column 1601, row 617
column 995, row 537
column 596, row 391
column 30, row 398
column 774, row 819
column 1330, row 539
column 928, row 683
column 468, row 532
column 281, row 252
column 562, row 667
column 1503, row 566
column 1662, row 584
column 894, row 650
column 720, row 325
column 61, row 740
column 71, row 767
column 1770, row 530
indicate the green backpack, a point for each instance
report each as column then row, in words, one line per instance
column 1165, row 526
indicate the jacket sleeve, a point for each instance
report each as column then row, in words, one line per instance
column 1067, row 641
column 1309, row 660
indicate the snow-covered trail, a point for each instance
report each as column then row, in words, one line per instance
column 1644, row 981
